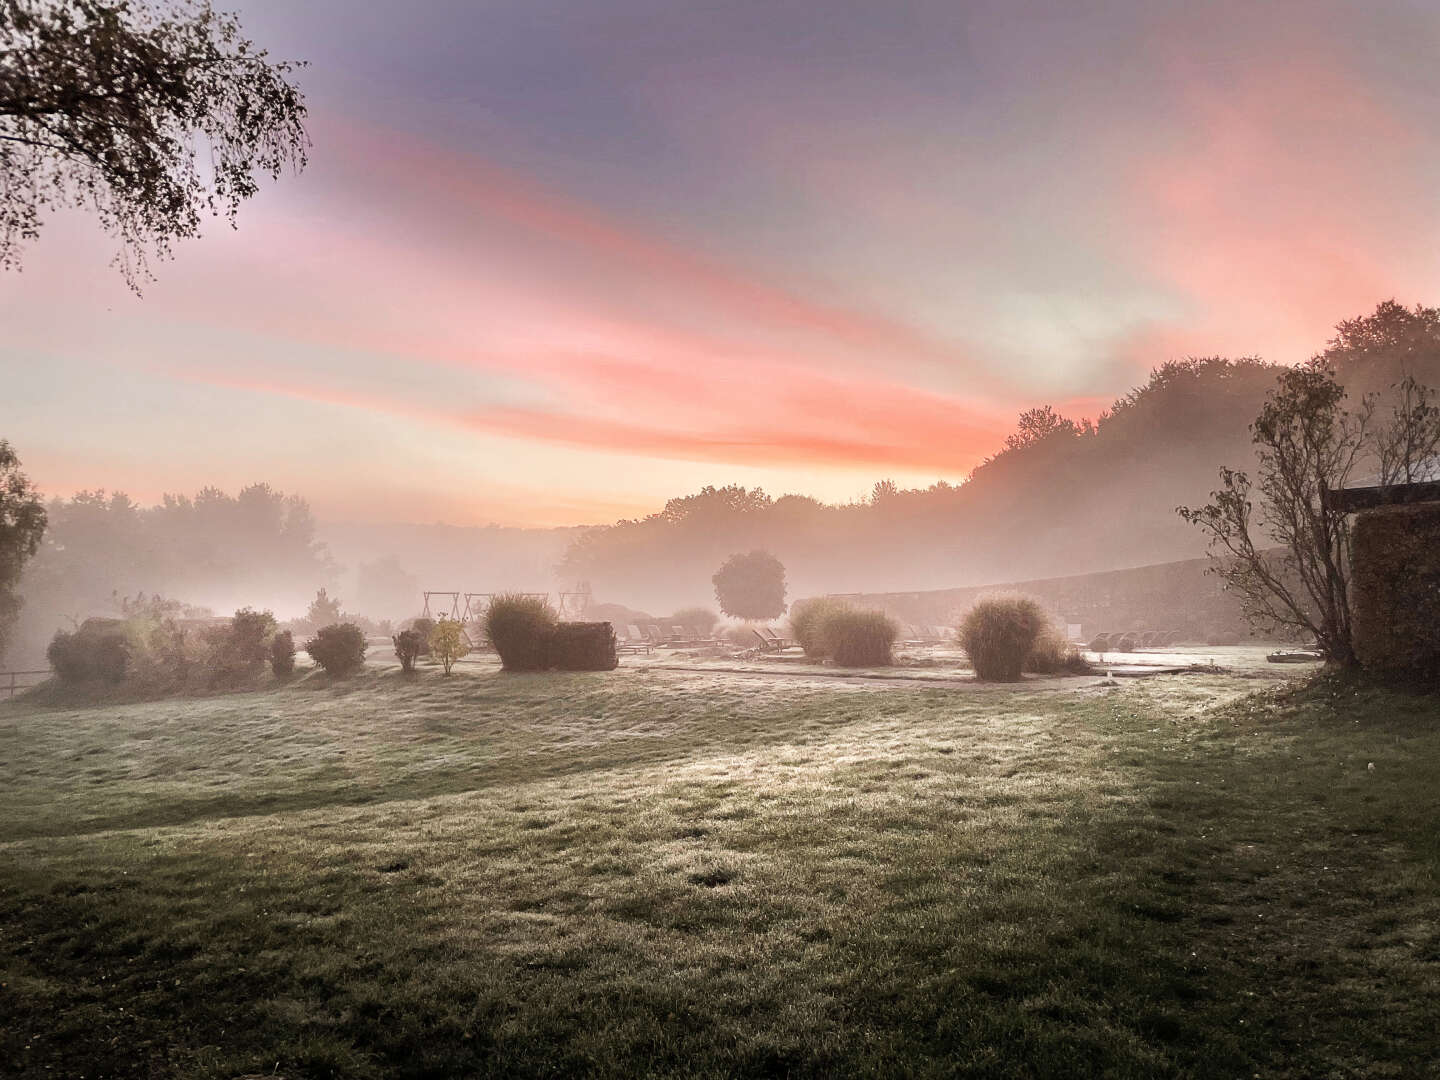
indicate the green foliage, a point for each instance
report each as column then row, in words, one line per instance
column 859, row 638
column 282, row 654
column 22, row 524
column 99, row 651
column 151, row 115
column 238, row 652
column 407, row 649
column 519, row 626
column 751, row 586
column 338, row 649
column 324, row 610
column 424, row 626
column 998, row 634
column 807, row 621
column 447, row 644
column 582, row 646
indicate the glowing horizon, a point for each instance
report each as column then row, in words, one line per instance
column 560, row 263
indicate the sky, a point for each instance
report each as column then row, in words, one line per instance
column 552, row 263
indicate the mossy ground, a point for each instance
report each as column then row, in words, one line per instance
column 668, row 873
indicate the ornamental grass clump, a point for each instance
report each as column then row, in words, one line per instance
column 519, row 627
column 859, row 638
column 807, row 619
column 998, row 633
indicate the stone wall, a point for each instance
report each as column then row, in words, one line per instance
column 1395, row 590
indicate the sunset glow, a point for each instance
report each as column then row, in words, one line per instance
column 553, row 263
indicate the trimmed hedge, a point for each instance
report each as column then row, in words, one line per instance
column 582, row 646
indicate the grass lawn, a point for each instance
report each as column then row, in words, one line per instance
column 670, row 873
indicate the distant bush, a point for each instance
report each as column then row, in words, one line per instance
column 998, row 634
column 407, row 648
column 697, row 620
column 859, row 638
column 751, row 586
column 807, row 618
column 518, row 626
column 282, row 654
column 739, row 634
column 424, row 626
column 448, row 643
column 99, row 651
column 339, row 649
column 1053, row 654
column 237, row 651
column 582, row 646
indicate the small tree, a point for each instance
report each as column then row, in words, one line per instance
column 751, row 586
column 22, row 524
column 323, row 610
column 1290, row 564
column 447, row 643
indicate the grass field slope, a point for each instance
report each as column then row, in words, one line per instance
column 662, row 873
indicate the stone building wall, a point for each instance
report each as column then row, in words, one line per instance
column 1395, row 590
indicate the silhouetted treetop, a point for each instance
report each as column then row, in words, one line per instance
column 149, row 114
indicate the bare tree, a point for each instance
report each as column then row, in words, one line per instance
column 1290, row 564
column 148, row 114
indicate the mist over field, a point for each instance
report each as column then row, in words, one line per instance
column 724, row 541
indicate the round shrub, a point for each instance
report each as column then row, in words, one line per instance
column 282, row 654
column 339, row 649
column 998, row 634
column 806, row 620
column 751, row 585
column 859, row 638
column 519, row 627
column 99, row 651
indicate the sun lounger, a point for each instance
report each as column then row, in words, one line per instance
column 633, row 641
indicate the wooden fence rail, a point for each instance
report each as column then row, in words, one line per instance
column 10, row 680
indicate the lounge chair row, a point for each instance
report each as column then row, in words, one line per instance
column 647, row 636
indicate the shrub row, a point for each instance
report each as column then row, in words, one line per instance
column 157, row 654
